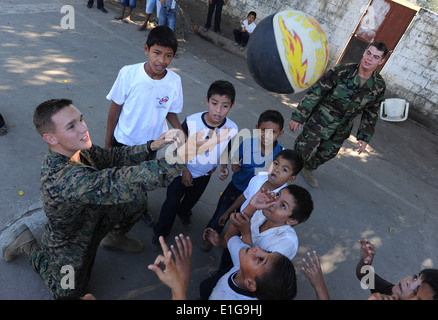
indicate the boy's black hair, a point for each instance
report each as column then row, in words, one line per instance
column 222, row 88
column 430, row 276
column 42, row 117
column 303, row 202
column 279, row 282
column 162, row 36
column 252, row 13
column 273, row 116
column 294, row 158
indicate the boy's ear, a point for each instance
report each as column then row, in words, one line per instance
column 281, row 132
column 292, row 222
column 50, row 138
column 292, row 179
column 250, row 284
column 146, row 49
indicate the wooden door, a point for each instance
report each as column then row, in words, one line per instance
column 383, row 20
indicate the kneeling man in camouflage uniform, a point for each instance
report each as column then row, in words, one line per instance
column 328, row 110
column 90, row 196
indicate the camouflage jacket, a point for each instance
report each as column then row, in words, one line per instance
column 71, row 191
column 331, row 104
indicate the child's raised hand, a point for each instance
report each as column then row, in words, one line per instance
column 183, row 255
column 367, row 251
column 313, row 272
column 170, row 275
column 262, row 199
column 242, row 222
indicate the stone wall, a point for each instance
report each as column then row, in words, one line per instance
column 411, row 72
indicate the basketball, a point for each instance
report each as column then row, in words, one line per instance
column 287, row 52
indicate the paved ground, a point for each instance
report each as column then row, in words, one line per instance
column 388, row 194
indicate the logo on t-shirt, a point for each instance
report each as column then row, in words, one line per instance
column 164, row 100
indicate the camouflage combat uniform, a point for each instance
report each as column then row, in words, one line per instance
column 329, row 108
column 84, row 201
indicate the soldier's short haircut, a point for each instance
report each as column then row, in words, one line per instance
column 379, row 46
column 42, row 117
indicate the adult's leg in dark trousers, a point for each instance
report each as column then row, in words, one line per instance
column 211, row 8
column 218, row 16
column 175, row 192
column 99, row 4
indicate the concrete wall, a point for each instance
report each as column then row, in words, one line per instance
column 411, row 72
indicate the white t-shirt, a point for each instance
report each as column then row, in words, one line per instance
column 146, row 103
column 254, row 186
column 281, row 239
column 206, row 163
column 225, row 289
column 248, row 27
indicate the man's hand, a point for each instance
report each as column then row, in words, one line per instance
column 362, row 146
column 168, row 137
column 196, row 145
column 293, row 125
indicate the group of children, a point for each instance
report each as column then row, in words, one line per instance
column 153, row 91
column 260, row 204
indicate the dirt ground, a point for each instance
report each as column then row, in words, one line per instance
column 195, row 12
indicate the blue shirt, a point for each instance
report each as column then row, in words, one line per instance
column 251, row 158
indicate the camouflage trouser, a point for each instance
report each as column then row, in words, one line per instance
column 55, row 264
column 318, row 142
column 314, row 149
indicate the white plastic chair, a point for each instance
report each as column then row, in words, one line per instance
column 394, row 110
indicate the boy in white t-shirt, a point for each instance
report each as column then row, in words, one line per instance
column 144, row 96
column 247, row 27
column 256, row 273
column 185, row 191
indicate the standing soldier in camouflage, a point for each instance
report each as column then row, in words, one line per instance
column 328, row 110
column 90, row 195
